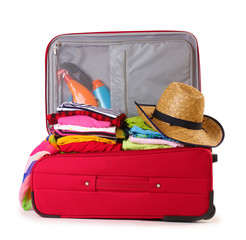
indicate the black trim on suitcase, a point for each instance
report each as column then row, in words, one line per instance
column 38, row 212
column 209, row 214
column 215, row 158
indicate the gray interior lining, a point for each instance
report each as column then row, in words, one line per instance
column 135, row 67
column 152, row 66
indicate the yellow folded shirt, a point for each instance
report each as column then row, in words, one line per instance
column 120, row 133
column 80, row 138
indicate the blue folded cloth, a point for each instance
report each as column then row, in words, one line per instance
column 136, row 129
column 138, row 132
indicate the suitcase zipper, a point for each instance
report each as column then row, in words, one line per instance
column 125, row 81
column 105, row 43
column 56, row 48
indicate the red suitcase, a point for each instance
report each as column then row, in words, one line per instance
column 170, row 184
column 173, row 184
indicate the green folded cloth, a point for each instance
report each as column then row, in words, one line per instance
column 127, row 145
column 137, row 121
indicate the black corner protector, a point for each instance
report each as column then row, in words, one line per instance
column 208, row 215
column 38, row 212
column 215, row 158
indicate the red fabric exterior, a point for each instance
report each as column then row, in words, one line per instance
column 124, row 184
column 92, row 146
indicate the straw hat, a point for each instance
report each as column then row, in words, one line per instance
column 179, row 116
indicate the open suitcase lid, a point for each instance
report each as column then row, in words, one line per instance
column 134, row 66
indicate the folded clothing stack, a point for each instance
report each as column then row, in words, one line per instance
column 141, row 136
column 85, row 128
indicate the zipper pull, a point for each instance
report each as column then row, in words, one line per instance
column 56, row 48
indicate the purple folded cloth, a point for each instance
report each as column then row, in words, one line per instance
column 83, row 121
column 154, row 141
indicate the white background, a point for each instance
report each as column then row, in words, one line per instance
column 26, row 29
